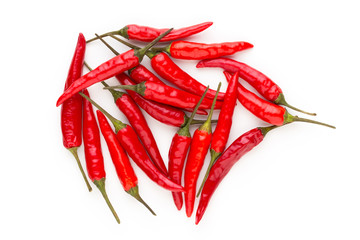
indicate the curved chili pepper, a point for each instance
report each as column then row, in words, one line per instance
column 147, row 34
column 198, row 51
column 137, row 120
column 198, row 150
column 167, row 95
column 121, row 161
column 93, row 155
column 167, row 69
column 222, row 166
column 222, row 130
column 263, row 84
column 129, row 140
column 177, row 153
column 267, row 111
column 110, row 68
column 71, row 111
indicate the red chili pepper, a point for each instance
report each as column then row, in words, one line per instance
column 177, row 153
column 147, row 34
column 263, row 84
column 129, row 140
column 222, row 166
column 198, row 150
column 198, row 51
column 93, row 155
column 71, row 111
column 121, row 161
column 267, row 111
column 222, row 131
column 167, row 69
column 167, row 95
column 110, row 68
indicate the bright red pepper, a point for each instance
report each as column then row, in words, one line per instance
column 110, row 68
column 71, row 111
column 93, row 154
column 121, row 161
column 198, row 150
column 129, row 140
column 198, row 51
column 263, row 84
column 168, row 95
column 167, row 69
column 222, row 166
column 147, row 34
column 267, row 111
column 222, row 131
column 177, row 153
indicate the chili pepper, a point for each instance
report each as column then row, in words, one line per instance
column 147, row 34
column 141, row 73
column 263, row 84
column 222, row 130
column 71, row 111
column 222, row 166
column 167, row 69
column 110, row 68
column 177, row 153
column 121, row 161
column 129, row 140
column 167, row 95
column 93, row 155
column 198, row 149
column 267, row 111
column 198, row 51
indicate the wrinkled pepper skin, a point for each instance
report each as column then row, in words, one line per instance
column 222, row 166
column 198, row 51
column 92, row 143
column 266, row 111
column 198, row 150
column 168, row 70
column 108, row 69
column 147, row 34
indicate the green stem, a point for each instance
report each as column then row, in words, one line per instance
column 108, row 45
column 101, row 186
column 104, row 35
column 214, row 156
column 196, row 121
column 130, row 45
column 117, row 123
column 73, row 150
column 134, row 191
column 207, row 125
column 139, row 88
column 281, row 101
column 299, row 119
column 265, row 130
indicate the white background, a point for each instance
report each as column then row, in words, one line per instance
column 301, row 182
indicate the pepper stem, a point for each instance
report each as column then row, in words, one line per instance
column 141, row 52
column 101, row 186
column 197, row 121
column 130, row 45
column 265, row 130
column 108, row 45
column 117, row 123
column 299, row 119
column 214, row 156
column 139, row 88
column 281, row 101
column 73, row 150
column 134, row 191
column 104, row 35
column 207, row 125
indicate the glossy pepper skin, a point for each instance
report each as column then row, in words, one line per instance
column 197, row 51
column 263, row 84
column 140, row 74
column 168, row 95
column 110, row 68
column 177, row 154
column 93, row 154
column 147, row 34
column 71, row 111
column 120, row 160
column 167, row 69
column 222, row 166
column 137, row 120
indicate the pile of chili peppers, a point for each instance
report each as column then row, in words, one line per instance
column 167, row 104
